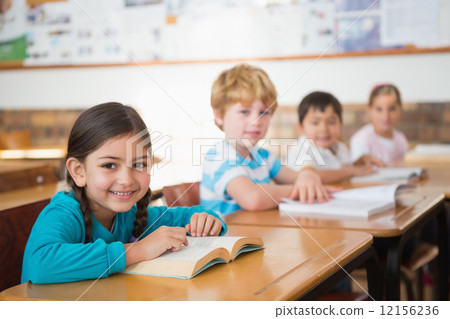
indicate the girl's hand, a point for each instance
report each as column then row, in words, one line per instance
column 308, row 187
column 369, row 160
column 360, row 170
column 162, row 239
column 204, row 224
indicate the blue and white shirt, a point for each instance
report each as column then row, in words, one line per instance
column 222, row 164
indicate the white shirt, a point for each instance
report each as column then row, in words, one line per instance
column 306, row 153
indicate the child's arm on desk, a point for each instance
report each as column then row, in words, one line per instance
column 304, row 185
column 362, row 166
column 330, row 176
column 162, row 239
column 252, row 196
column 307, row 184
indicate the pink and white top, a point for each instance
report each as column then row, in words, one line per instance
column 389, row 150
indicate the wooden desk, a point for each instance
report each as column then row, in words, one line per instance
column 292, row 265
column 438, row 179
column 15, row 165
column 29, row 195
column 414, row 211
column 416, row 159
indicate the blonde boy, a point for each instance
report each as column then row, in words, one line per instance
column 236, row 172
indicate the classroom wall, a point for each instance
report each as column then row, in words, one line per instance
column 174, row 99
column 421, row 78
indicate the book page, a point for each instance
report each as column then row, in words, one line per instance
column 382, row 193
column 336, row 207
column 432, row 149
column 390, row 174
column 199, row 247
column 363, row 202
column 201, row 253
column 373, row 193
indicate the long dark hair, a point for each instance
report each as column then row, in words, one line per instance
column 94, row 127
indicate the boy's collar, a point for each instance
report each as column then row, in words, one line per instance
column 253, row 153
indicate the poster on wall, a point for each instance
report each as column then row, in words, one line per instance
column 89, row 32
column 317, row 31
column 410, row 22
column 50, row 35
column 12, row 30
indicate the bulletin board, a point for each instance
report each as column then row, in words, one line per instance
column 64, row 33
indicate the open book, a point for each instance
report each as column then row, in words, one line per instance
column 356, row 202
column 391, row 175
column 432, row 149
column 201, row 253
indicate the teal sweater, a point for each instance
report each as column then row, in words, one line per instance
column 56, row 251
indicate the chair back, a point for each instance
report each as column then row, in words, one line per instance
column 15, row 139
column 186, row 194
column 15, row 228
column 19, row 178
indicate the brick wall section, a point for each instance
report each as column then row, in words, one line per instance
column 47, row 127
column 421, row 123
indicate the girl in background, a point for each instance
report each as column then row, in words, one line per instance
column 380, row 138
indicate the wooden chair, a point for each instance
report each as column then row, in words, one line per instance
column 15, row 139
column 15, row 228
column 411, row 272
column 19, row 178
column 186, row 194
column 412, row 268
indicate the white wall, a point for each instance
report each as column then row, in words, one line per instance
column 174, row 99
column 420, row 77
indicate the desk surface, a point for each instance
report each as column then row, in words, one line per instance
column 29, row 195
column 411, row 207
column 290, row 265
column 18, row 165
column 438, row 179
column 416, row 159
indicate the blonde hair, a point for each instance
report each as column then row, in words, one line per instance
column 243, row 83
column 384, row 89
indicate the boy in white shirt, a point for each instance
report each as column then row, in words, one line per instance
column 319, row 145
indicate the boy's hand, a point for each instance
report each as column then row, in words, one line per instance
column 308, row 187
column 204, row 224
column 368, row 160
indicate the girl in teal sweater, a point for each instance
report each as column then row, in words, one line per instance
column 105, row 223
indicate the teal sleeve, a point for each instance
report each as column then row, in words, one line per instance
column 275, row 169
column 176, row 217
column 56, row 251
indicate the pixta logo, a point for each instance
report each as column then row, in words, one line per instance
column 215, row 149
column 147, row 143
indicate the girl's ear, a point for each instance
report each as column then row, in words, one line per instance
column 299, row 129
column 77, row 171
column 218, row 117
